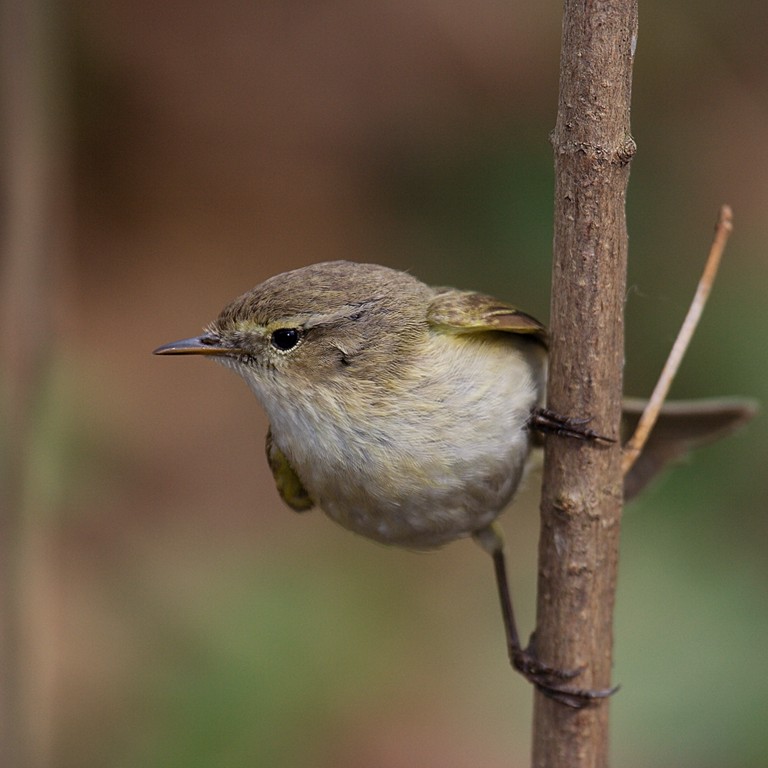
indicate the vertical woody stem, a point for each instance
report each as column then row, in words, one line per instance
column 582, row 494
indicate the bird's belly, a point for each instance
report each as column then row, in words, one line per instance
column 425, row 510
column 421, row 527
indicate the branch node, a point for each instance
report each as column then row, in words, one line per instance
column 601, row 154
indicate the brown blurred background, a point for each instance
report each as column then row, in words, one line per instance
column 172, row 611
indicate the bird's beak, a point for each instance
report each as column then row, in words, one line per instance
column 199, row 345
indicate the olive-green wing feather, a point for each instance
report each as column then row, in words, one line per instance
column 289, row 486
column 468, row 312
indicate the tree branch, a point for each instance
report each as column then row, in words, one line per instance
column 582, row 490
column 651, row 413
column 31, row 244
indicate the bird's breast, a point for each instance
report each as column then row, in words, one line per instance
column 431, row 458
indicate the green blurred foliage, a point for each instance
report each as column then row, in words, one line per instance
column 196, row 621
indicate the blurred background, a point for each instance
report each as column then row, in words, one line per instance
column 160, row 606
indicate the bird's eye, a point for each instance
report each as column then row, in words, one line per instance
column 285, row 339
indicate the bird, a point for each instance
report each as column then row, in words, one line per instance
column 406, row 413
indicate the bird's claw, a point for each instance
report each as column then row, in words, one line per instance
column 552, row 682
column 547, row 421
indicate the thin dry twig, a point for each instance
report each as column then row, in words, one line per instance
column 634, row 446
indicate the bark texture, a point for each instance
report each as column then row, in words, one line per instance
column 582, row 492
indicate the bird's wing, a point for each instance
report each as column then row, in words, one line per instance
column 288, row 483
column 468, row 312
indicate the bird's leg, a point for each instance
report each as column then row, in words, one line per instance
column 550, row 681
column 548, row 422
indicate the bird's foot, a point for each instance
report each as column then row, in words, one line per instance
column 553, row 682
column 548, row 422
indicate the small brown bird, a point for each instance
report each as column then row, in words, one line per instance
column 404, row 412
